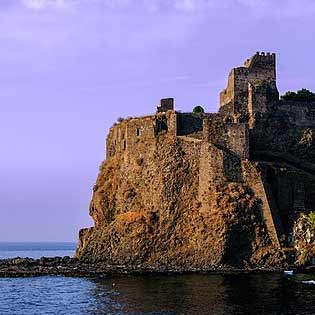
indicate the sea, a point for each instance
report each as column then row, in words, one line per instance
column 200, row 294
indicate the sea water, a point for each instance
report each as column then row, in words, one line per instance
column 36, row 249
column 212, row 294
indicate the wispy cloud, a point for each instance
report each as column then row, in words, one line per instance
column 185, row 5
column 45, row 4
column 286, row 8
column 150, row 5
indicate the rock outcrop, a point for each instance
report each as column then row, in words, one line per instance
column 206, row 191
column 72, row 267
column 150, row 214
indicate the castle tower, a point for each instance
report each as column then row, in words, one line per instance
column 165, row 105
column 251, row 88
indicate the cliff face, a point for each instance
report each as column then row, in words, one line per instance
column 205, row 190
column 147, row 211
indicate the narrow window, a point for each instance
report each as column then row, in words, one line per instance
column 139, row 131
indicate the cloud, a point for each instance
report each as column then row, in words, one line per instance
column 67, row 4
column 39, row 5
column 239, row 10
column 185, row 5
column 271, row 7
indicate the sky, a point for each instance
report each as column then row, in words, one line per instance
column 70, row 68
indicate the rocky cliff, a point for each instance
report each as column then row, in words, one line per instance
column 208, row 190
column 147, row 212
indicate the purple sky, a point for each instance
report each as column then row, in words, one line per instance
column 70, row 68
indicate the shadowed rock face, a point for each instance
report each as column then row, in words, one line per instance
column 185, row 190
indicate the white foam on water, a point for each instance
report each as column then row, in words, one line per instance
column 308, row 282
column 288, row 272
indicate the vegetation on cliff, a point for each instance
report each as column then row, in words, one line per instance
column 304, row 235
column 303, row 95
column 198, row 110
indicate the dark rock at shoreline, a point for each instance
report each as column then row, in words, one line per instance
column 72, row 267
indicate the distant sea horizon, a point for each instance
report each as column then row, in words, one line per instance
column 36, row 249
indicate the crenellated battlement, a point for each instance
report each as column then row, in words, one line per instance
column 261, row 58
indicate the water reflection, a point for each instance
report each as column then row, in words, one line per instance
column 203, row 294
column 158, row 295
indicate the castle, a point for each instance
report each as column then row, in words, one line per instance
column 255, row 140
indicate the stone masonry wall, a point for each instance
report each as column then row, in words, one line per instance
column 210, row 175
column 125, row 135
column 259, row 68
column 233, row 137
column 254, row 179
column 227, row 95
column 299, row 113
column 262, row 66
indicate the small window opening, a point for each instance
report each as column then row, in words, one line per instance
column 139, row 132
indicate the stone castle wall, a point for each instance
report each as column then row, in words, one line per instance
column 125, row 135
column 233, row 137
column 299, row 113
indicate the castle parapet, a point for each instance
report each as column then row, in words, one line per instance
column 265, row 62
column 127, row 134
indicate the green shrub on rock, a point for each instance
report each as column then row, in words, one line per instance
column 303, row 95
column 304, row 235
column 198, row 110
